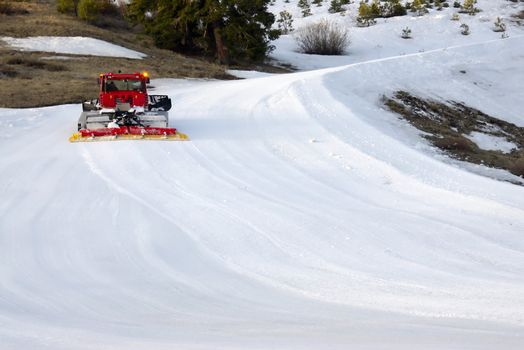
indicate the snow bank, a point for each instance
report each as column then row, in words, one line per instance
column 71, row 45
column 247, row 74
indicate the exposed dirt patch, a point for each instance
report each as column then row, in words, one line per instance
column 445, row 125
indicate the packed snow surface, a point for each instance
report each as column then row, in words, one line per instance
column 75, row 45
column 301, row 215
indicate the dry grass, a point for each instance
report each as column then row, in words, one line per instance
column 517, row 167
column 7, row 8
column 456, row 144
column 445, row 125
column 57, row 81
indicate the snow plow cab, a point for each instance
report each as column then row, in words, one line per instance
column 125, row 111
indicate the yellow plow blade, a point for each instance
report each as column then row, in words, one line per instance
column 77, row 137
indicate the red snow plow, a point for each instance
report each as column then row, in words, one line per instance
column 125, row 111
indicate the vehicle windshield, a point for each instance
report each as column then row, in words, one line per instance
column 124, row 85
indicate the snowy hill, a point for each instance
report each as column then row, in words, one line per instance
column 301, row 215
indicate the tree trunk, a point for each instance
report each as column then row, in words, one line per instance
column 221, row 48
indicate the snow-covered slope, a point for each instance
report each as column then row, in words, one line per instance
column 75, row 45
column 300, row 216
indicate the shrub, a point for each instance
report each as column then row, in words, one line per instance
column 66, row 6
column 97, row 11
column 323, row 38
column 465, row 29
column 88, row 10
column 406, row 33
column 499, row 25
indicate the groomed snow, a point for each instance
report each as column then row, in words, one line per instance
column 75, row 45
column 301, row 215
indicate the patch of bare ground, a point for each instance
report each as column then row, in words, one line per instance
column 518, row 18
column 33, row 79
column 446, row 124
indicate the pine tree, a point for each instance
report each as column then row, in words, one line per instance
column 393, row 8
column 406, row 33
column 363, row 10
column 335, row 6
column 227, row 29
column 365, row 17
column 306, row 9
column 285, row 22
column 419, row 7
column 374, row 9
column 469, row 7
column 317, row 2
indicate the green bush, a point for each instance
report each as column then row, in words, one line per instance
column 88, row 10
column 65, row 6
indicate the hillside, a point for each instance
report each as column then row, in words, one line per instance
column 303, row 214
column 72, row 78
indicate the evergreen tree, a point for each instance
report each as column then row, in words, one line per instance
column 306, row 9
column 419, row 7
column 406, row 33
column 363, row 10
column 317, row 2
column 393, row 8
column 365, row 17
column 229, row 29
column 335, row 6
column 374, row 9
column 285, row 22
column 469, row 7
